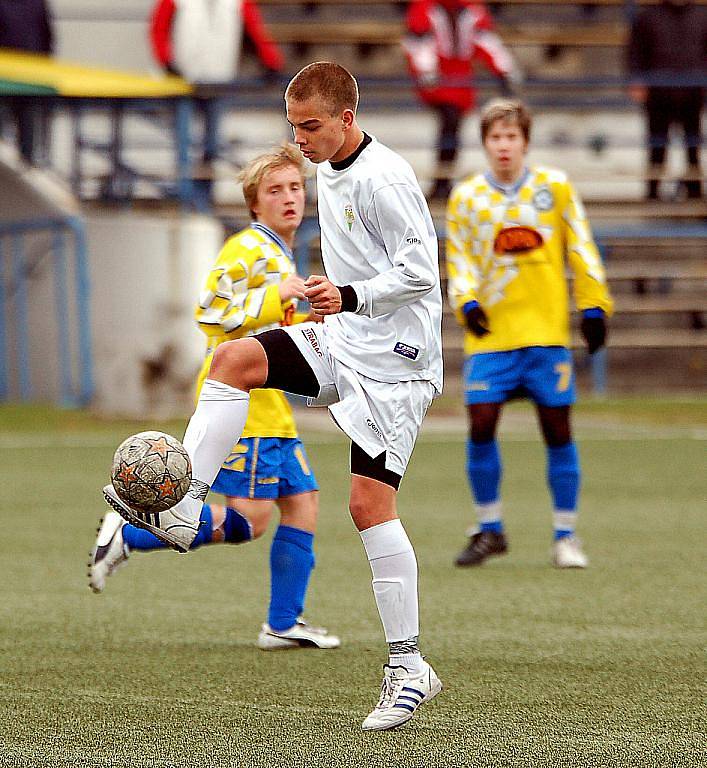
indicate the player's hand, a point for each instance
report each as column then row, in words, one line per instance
column 292, row 287
column 594, row 332
column 477, row 322
column 323, row 295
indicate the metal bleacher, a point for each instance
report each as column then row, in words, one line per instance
column 572, row 56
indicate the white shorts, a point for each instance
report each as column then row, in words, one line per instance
column 378, row 416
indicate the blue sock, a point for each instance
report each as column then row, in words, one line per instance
column 483, row 467
column 291, row 563
column 137, row 538
column 563, row 477
column 236, row 528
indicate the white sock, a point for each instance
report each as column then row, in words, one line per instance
column 394, row 569
column 215, row 428
column 490, row 513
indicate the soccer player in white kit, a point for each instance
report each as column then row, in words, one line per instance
column 376, row 360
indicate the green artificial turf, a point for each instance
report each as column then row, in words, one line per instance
column 604, row 667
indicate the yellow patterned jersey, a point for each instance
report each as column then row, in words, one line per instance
column 241, row 298
column 509, row 249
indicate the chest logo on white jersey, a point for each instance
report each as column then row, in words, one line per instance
column 405, row 350
column 349, row 217
column 543, row 199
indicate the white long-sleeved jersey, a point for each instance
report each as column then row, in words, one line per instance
column 377, row 235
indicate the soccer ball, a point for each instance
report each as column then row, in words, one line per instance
column 151, row 471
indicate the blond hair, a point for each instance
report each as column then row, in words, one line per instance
column 334, row 85
column 510, row 111
column 278, row 157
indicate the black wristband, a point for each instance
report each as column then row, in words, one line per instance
column 349, row 300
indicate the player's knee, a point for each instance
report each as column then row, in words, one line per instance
column 238, row 364
column 482, row 433
column 558, row 440
column 557, row 434
column 259, row 523
column 365, row 514
column 482, row 422
column 302, row 513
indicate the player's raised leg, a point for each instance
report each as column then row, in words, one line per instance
column 116, row 539
column 217, row 423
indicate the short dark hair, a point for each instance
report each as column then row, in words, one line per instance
column 508, row 111
column 333, row 84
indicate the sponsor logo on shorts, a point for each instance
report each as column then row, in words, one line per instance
column 478, row 386
column 413, row 240
column 311, row 337
column 405, row 350
column 374, row 427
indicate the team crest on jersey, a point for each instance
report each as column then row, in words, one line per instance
column 543, row 199
column 349, row 215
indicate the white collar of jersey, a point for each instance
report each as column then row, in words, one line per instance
column 508, row 189
column 258, row 227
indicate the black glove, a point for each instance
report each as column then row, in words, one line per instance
column 476, row 321
column 594, row 332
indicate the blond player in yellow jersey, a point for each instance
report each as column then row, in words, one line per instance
column 512, row 232
column 252, row 288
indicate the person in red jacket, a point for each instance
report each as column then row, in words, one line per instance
column 201, row 39
column 444, row 38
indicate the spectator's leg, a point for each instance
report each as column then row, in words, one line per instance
column 690, row 118
column 658, row 112
column 449, row 123
column 209, row 111
column 26, row 117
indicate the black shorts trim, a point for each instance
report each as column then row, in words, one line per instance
column 287, row 368
column 362, row 464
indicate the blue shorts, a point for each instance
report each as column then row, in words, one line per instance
column 543, row 374
column 266, row 468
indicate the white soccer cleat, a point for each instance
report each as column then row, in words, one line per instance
column 177, row 526
column 301, row 635
column 401, row 694
column 567, row 553
column 109, row 552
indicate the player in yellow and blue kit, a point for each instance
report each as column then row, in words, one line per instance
column 250, row 289
column 511, row 233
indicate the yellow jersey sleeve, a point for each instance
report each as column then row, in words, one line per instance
column 240, row 294
column 462, row 271
column 590, row 287
column 240, row 297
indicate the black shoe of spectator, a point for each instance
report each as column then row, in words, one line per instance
column 481, row 546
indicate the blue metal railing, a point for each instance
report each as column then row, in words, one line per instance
column 75, row 381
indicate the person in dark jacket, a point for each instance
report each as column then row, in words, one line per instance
column 26, row 25
column 667, row 52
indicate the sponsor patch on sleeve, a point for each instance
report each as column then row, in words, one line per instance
column 405, row 350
